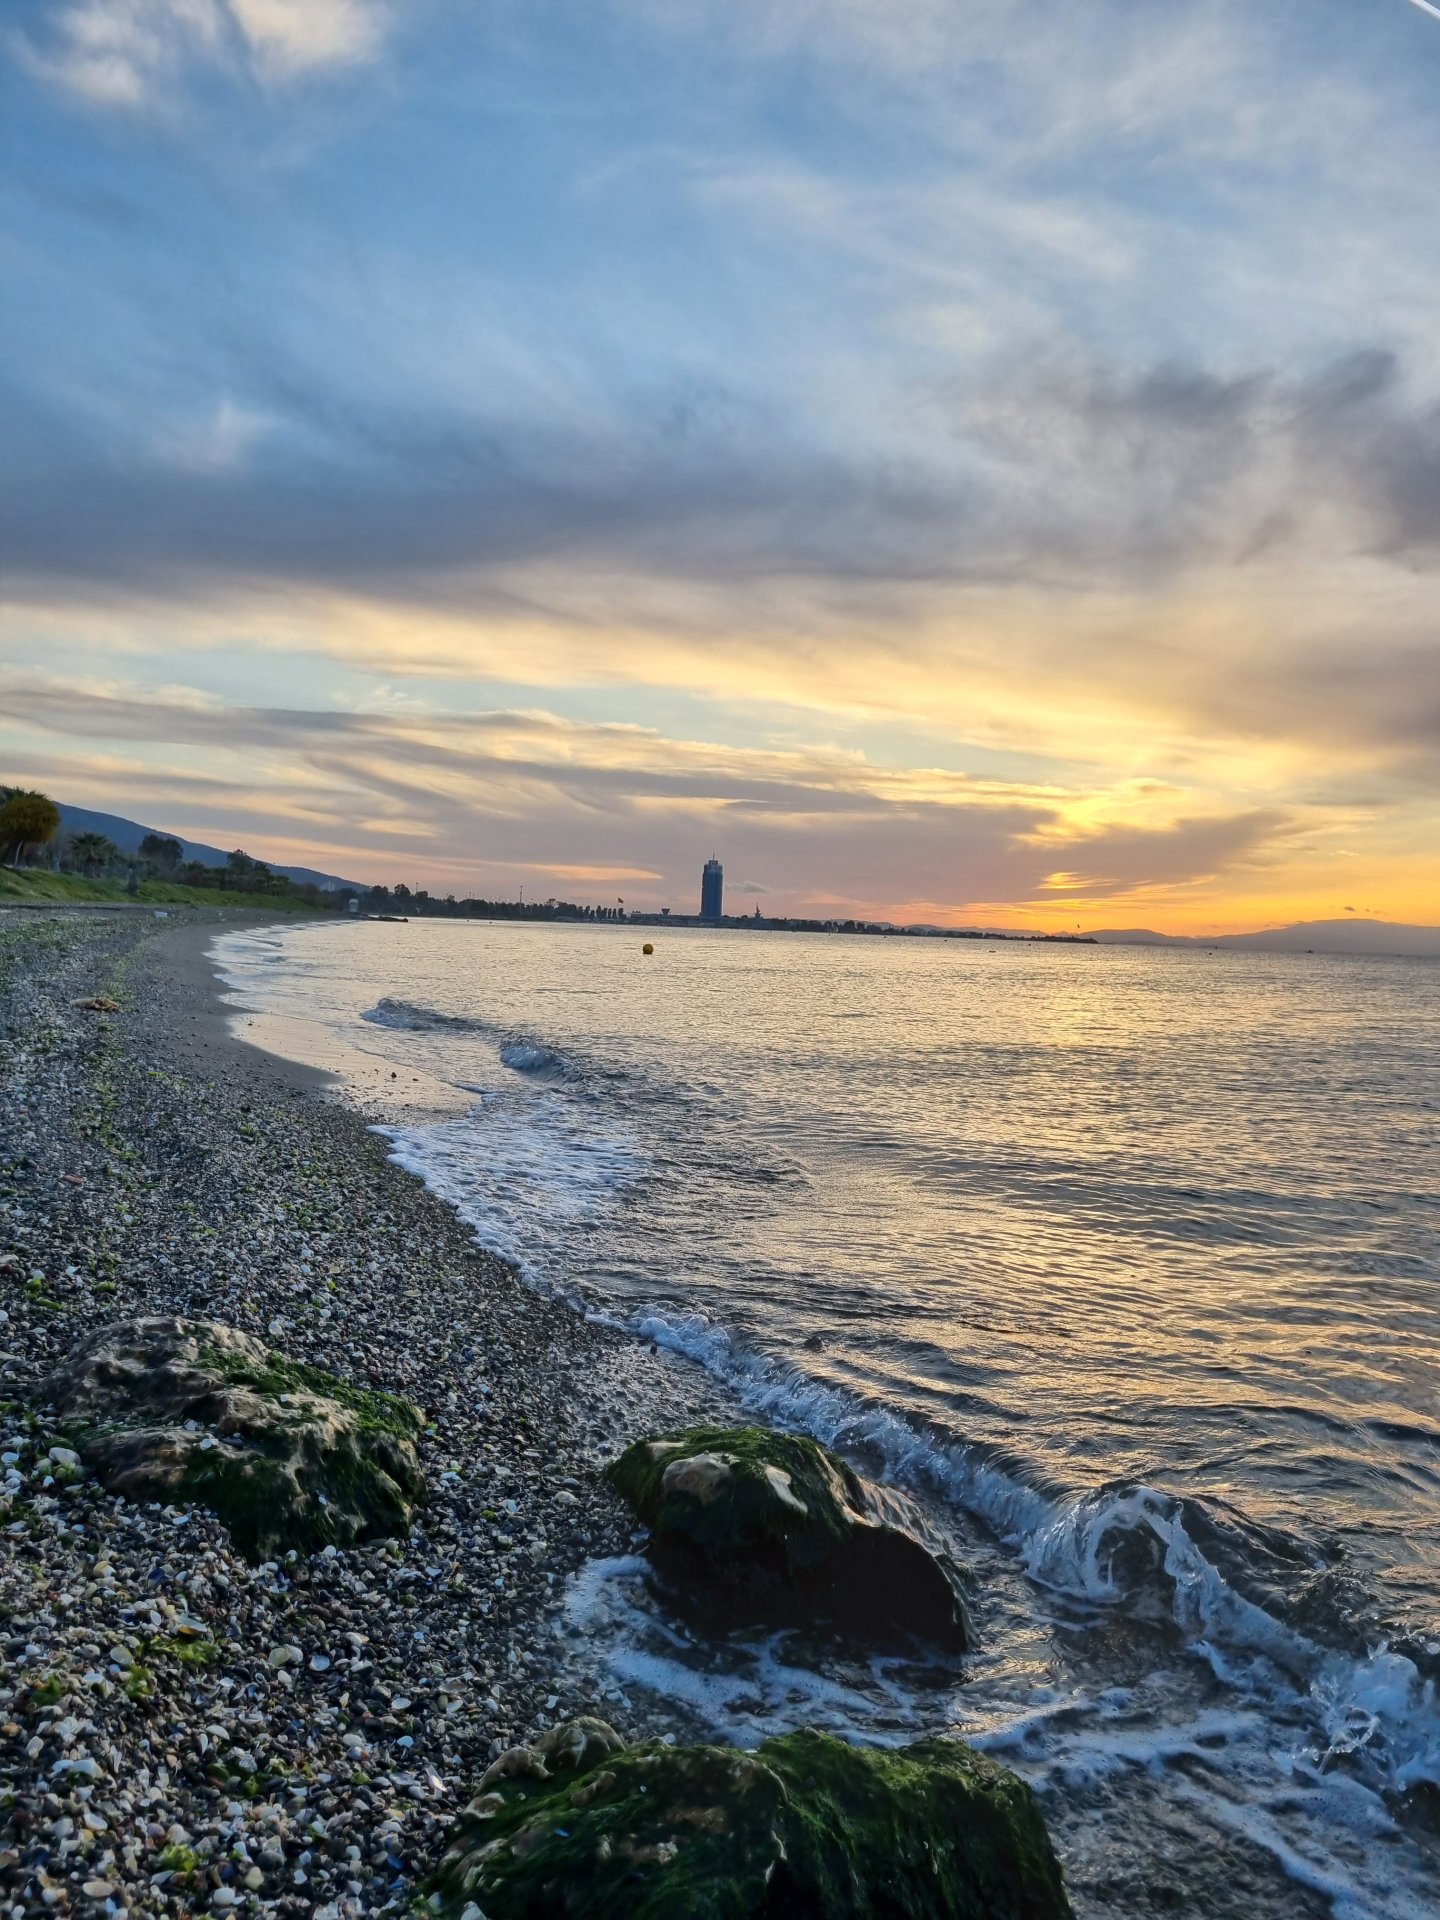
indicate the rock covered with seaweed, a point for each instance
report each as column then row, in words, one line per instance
column 287, row 1455
column 580, row 1825
column 771, row 1524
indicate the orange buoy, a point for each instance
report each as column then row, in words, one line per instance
column 647, row 948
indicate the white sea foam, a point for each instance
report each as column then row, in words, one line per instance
column 519, row 1178
column 1380, row 1713
column 751, row 1690
column 1221, row 1764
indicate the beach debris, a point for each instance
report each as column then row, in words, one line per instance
column 806, row 1824
column 773, row 1525
column 99, row 1003
column 303, row 1458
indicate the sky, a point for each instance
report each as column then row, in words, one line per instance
column 955, row 460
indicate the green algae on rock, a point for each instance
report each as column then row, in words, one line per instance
column 285, row 1454
column 805, row 1826
column 774, row 1523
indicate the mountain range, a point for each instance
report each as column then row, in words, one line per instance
column 1305, row 936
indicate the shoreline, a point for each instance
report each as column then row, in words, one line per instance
column 155, row 1160
column 156, row 1163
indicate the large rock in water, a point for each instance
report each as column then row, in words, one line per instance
column 806, row 1828
column 774, row 1525
column 287, row 1455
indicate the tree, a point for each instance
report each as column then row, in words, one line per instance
column 92, row 852
column 27, row 820
column 161, row 851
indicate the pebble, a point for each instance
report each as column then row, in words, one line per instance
column 186, row 1713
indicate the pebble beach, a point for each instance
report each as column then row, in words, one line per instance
column 182, row 1731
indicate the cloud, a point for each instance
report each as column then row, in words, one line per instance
column 218, row 441
column 1097, row 468
column 140, row 53
column 289, row 37
column 1221, row 81
column 421, row 792
column 1044, row 391
column 1054, row 464
column 1081, row 559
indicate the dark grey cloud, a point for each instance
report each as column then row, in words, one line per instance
column 1058, row 469
column 1139, row 474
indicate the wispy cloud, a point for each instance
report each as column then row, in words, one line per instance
column 410, row 789
column 139, row 53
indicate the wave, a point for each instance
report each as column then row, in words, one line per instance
column 519, row 1173
column 405, row 1017
column 537, row 1061
column 1125, row 1546
column 519, row 1052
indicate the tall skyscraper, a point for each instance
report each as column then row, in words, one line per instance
column 712, row 889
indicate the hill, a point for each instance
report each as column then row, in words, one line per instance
column 127, row 835
column 1381, row 937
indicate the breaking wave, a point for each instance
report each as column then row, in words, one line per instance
column 405, row 1017
column 537, row 1062
column 1204, row 1569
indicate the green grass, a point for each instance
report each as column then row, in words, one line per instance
column 31, row 884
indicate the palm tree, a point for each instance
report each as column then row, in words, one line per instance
column 92, row 852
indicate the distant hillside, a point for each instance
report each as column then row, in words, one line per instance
column 127, row 835
column 1306, row 936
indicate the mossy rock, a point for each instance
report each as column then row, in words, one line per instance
column 805, row 1828
column 285, row 1454
column 747, row 1521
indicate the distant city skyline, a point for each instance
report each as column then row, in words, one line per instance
column 976, row 466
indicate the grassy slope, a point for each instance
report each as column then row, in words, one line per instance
column 31, row 884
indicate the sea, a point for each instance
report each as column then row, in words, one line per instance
column 1123, row 1262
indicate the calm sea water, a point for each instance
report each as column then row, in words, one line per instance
column 1125, row 1262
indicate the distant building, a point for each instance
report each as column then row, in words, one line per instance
column 712, row 889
